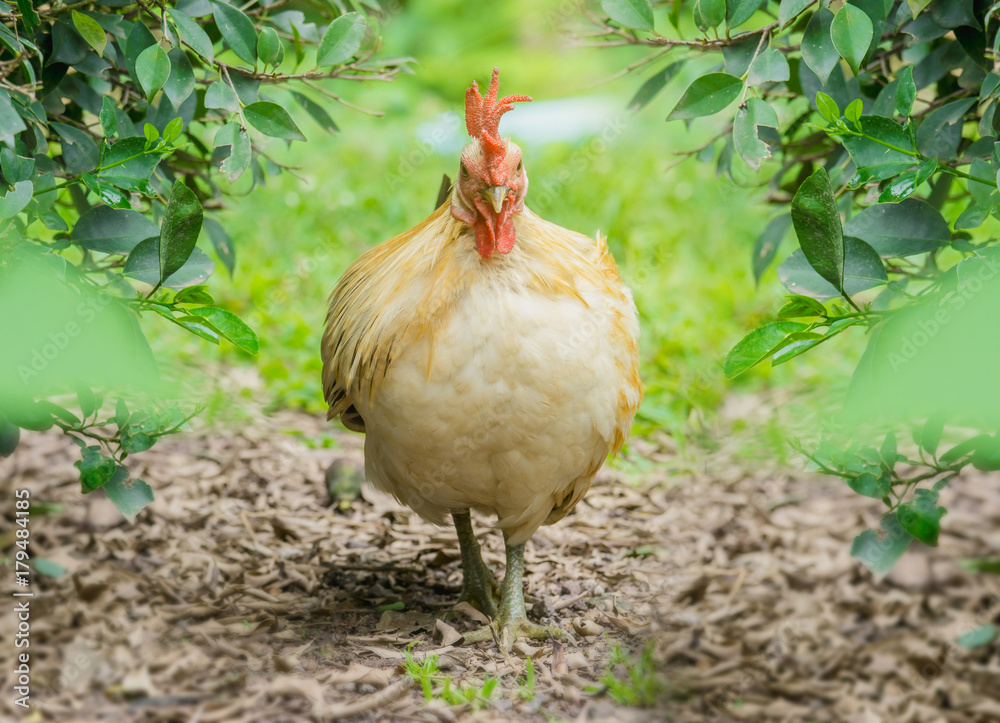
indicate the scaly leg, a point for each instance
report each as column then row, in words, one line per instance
column 512, row 621
column 479, row 587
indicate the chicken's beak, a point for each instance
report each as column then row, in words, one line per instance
column 496, row 196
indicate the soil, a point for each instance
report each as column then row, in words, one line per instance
column 265, row 583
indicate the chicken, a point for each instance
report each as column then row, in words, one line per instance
column 491, row 359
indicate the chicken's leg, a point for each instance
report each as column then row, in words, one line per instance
column 479, row 587
column 512, row 622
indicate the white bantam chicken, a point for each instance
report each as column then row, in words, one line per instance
column 491, row 359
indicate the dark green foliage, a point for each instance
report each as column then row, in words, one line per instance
column 121, row 125
column 874, row 125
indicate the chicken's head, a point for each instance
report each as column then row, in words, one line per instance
column 491, row 180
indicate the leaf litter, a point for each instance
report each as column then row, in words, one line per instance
column 263, row 585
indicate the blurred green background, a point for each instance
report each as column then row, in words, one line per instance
column 682, row 236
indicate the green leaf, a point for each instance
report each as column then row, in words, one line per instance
column 917, row 5
column 817, row 225
column 238, row 160
column 91, row 31
column 654, row 85
column 637, row 14
column 220, row 95
column 181, row 226
column 827, row 107
column 818, row 50
column 799, row 306
column 180, row 83
column 963, row 448
column 939, row 134
column 707, row 95
column 14, row 201
column 173, row 130
column 152, row 68
column 980, row 565
column 766, row 245
column 194, row 295
column 192, row 34
column 768, row 67
column 746, row 141
column 906, row 91
column 10, row 122
column 28, row 15
column 876, row 159
column 930, row 434
column 316, row 112
column 269, row 48
column 129, row 497
column 790, row 9
column 878, row 550
column 853, row 111
column 863, row 269
column 222, row 243
column 143, row 264
column 80, row 153
column 341, row 40
column 272, row 120
column 111, row 231
column 136, row 442
column 851, row 32
column 709, row 13
column 889, row 451
column 237, row 30
column 108, row 117
column 909, row 227
column 230, row 326
column 978, row 637
column 95, row 468
column 139, row 39
column 921, row 518
column 758, row 345
column 121, row 166
column 48, row 568
column 739, row 11
column 869, row 485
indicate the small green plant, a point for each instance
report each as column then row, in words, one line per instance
column 526, row 687
column 436, row 684
column 630, row 681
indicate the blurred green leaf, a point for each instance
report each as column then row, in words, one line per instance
column 237, row 30
column 746, row 140
column 48, row 568
column 909, row 227
column 231, row 327
column 879, row 550
column 192, row 34
column 316, row 112
column 739, row 11
column 939, row 134
column 790, row 9
column 180, row 81
column 95, row 468
column 15, row 199
column 978, row 637
column 863, row 270
column 654, row 85
column 758, row 345
column 818, row 50
column 869, row 485
column 709, row 13
column 220, row 95
column 851, row 31
column 768, row 67
column 636, row 14
column 91, row 31
column 766, row 245
column 108, row 117
column 341, row 40
column 906, row 91
column 707, row 95
column 272, row 120
column 129, row 497
column 921, row 518
column 112, row 231
column 153, row 69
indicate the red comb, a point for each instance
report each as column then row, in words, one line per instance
column 482, row 117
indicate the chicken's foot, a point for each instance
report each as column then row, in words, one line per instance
column 479, row 587
column 512, row 621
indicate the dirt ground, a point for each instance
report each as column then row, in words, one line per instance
column 245, row 594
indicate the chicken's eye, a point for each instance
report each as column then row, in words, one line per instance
column 465, row 171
